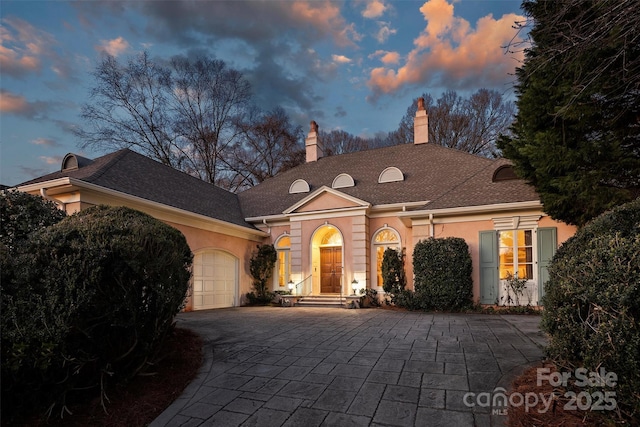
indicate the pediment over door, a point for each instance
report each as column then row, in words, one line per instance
column 326, row 199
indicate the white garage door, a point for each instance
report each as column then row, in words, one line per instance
column 215, row 280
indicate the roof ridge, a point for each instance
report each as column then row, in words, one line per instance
column 199, row 180
column 117, row 155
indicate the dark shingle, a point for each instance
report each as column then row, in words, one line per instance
column 443, row 176
column 134, row 174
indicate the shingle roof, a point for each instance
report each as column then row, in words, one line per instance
column 445, row 177
column 134, row 174
column 479, row 190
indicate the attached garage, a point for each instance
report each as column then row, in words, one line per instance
column 215, row 280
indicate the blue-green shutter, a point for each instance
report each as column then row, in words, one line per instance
column 547, row 244
column 488, row 267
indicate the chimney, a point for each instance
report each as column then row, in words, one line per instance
column 312, row 144
column 421, row 124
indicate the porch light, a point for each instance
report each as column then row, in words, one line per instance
column 354, row 286
column 290, row 285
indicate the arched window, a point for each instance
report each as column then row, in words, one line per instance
column 299, row 186
column 385, row 238
column 504, row 173
column 331, row 238
column 342, row 181
column 283, row 265
column 390, row 174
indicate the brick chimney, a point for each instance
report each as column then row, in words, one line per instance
column 313, row 145
column 421, row 124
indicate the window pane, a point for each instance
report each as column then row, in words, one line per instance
column 281, row 269
column 525, row 271
column 516, row 253
column 379, row 256
column 506, row 238
column 284, row 266
column 505, row 271
column 506, row 256
column 380, row 249
column 332, row 238
column 525, row 255
column 386, row 236
column 284, row 242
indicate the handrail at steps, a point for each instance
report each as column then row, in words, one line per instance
column 302, row 290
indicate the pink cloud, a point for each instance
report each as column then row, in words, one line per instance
column 113, row 47
column 450, row 52
column 12, row 103
column 21, row 46
column 45, row 142
column 386, row 57
column 341, row 59
column 326, row 17
column 374, row 9
column 26, row 49
column 51, row 160
column 384, row 32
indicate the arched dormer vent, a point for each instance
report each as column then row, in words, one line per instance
column 343, row 180
column 390, row 174
column 504, row 173
column 73, row 161
column 299, row 186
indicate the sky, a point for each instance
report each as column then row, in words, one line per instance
column 352, row 65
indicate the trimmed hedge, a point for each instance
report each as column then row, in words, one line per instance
column 592, row 302
column 442, row 270
column 21, row 214
column 93, row 298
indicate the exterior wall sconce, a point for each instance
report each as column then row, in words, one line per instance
column 354, row 286
column 291, row 286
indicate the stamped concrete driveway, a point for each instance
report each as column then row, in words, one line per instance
column 308, row 367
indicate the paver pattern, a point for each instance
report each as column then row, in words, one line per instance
column 272, row 366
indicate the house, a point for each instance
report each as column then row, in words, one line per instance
column 331, row 218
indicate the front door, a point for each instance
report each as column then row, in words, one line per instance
column 330, row 270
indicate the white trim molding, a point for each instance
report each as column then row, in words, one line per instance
column 516, row 222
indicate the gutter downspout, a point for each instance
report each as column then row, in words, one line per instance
column 61, row 205
column 264, row 221
column 432, row 227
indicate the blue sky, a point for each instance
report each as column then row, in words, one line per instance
column 353, row 65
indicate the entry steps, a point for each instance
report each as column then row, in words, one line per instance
column 324, row 301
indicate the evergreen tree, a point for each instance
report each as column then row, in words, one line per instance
column 576, row 137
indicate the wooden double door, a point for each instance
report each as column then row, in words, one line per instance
column 330, row 270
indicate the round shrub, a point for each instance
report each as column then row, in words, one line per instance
column 21, row 214
column 592, row 302
column 97, row 294
column 442, row 270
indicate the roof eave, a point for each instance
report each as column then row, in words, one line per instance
column 79, row 184
column 468, row 210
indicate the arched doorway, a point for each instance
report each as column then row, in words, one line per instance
column 327, row 258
